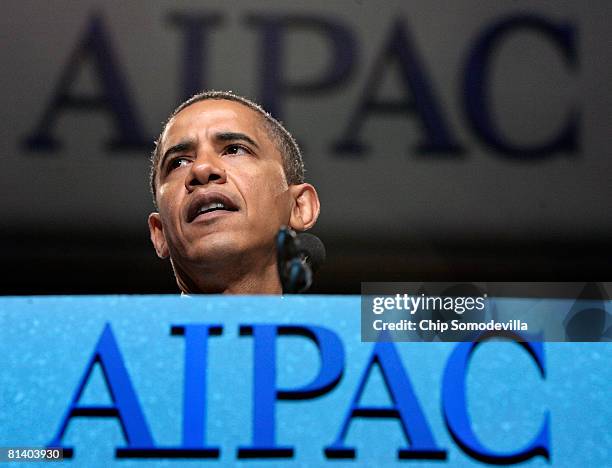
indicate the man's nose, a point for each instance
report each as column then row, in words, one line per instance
column 204, row 170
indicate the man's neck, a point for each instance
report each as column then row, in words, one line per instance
column 262, row 280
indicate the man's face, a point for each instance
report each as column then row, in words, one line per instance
column 221, row 187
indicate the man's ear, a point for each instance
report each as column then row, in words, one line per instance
column 306, row 207
column 157, row 235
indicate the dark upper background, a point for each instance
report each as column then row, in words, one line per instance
column 448, row 140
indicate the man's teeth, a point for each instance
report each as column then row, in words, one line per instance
column 211, row 206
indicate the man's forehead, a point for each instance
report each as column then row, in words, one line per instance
column 213, row 115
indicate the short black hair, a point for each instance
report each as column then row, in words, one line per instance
column 293, row 163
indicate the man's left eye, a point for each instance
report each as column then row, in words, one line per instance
column 236, row 149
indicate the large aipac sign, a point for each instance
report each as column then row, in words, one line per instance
column 398, row 50
column 502, row 105
column 285, row 382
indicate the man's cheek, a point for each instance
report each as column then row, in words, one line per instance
column 161, row 191
column 168, row 208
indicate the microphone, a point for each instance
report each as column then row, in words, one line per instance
column 298, row 256
column 313, row 250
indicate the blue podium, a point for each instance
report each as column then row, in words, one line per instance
column 285, row 381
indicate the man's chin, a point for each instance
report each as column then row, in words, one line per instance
column 214, row 248
column 222, row 248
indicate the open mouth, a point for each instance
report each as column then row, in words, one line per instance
column 209, row 208
column 210, row 203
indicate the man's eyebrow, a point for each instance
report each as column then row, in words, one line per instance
column 181, row 146
column 235, row 136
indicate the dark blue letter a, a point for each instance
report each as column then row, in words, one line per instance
column 125, row 405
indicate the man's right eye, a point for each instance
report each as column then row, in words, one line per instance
column 177, row 162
